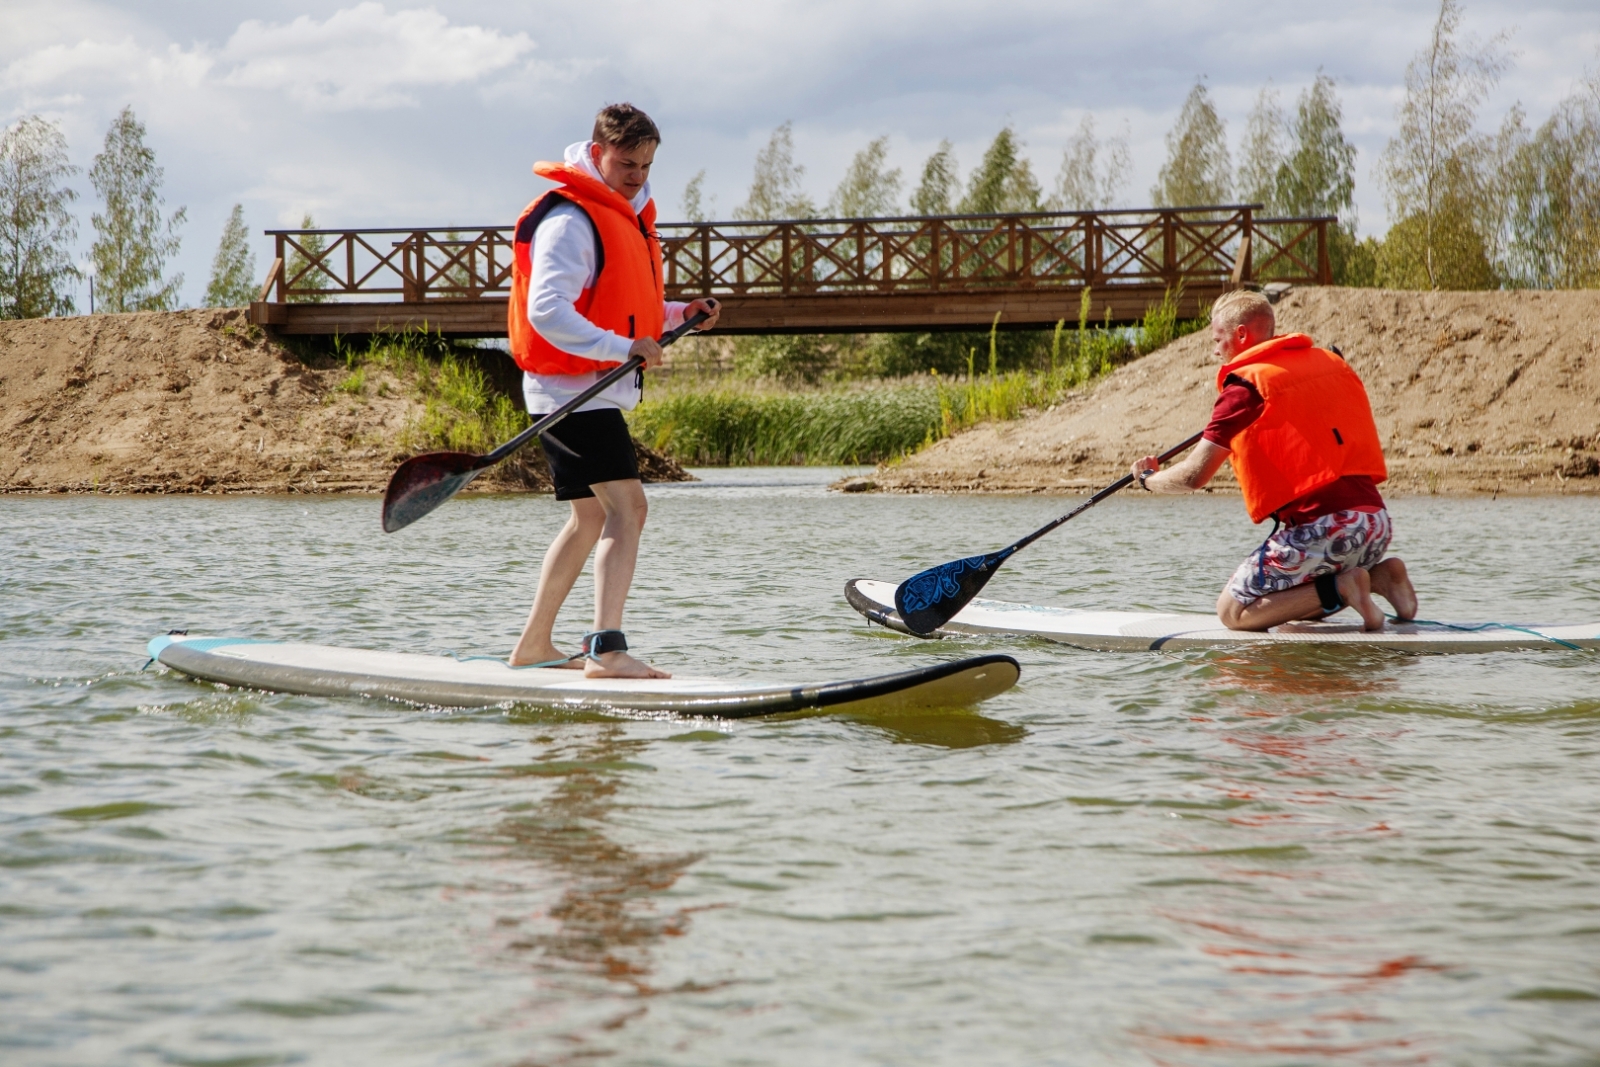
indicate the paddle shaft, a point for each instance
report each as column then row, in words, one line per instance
column 606, row 380
column 1115, row 487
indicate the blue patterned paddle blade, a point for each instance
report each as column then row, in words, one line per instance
column 928, row 600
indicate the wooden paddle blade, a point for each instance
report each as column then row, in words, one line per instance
column 928, row 600
column 422, row 483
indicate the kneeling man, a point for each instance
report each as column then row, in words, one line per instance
column 1295, row 421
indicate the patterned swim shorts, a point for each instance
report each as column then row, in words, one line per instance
column 1295, row 555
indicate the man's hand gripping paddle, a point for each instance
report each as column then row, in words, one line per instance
column 928, row 600
column 424, row 482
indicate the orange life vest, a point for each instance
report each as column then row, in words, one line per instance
column 1315, row 429
column 628, row 295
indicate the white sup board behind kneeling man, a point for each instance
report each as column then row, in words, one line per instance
column 480, row 681
column 1132, row 631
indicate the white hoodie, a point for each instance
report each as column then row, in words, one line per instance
column 563, row 266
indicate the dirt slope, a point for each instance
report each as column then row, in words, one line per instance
column 197, row 401
column 1473, row 392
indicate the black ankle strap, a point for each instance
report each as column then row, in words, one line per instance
column 1328, row 593
column 598, row 642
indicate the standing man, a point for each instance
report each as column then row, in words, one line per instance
column 587, row 294
column 1296, row 423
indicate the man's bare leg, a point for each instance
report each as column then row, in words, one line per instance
column 563, row 562
column 1390, row 581
column 1301, row 602
column 614, row 560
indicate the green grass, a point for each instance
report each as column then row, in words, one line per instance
column 461, row 410
column 716, row 422
column 722, row 426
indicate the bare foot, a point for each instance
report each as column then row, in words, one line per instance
column 1355, row 589
column 521, row 657
column 620, row 665
column 1390, row 581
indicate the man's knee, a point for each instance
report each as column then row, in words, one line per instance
column 1230, row 611
column 587, row 517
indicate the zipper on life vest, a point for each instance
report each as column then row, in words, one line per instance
column 1336, row 436
column 630, row 336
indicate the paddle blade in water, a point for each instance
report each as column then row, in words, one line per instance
column 423, row 483
column 928, row 600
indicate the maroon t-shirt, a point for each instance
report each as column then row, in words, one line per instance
column 1238, row 406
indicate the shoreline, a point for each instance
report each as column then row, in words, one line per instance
column 1474, row 393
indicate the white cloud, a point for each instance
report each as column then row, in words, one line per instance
column 364, row 57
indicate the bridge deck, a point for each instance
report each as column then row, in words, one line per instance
column 818, row 275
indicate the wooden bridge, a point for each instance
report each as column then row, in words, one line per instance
column 952, row 272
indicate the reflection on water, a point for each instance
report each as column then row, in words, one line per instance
column 941, row 727
column 1206, row 859
column 607, row 916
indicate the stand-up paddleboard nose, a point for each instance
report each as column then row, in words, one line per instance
column 422, row 483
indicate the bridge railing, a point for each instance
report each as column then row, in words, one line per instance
column 914, row 254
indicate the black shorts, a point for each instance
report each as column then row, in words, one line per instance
column 588, row 447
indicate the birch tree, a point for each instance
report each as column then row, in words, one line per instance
column 937, row 191
column 1197, row 170
column 233, row 268
column 37, row 228
column 1430, row 167
column 868, row 190
column 133, row 241
column 1093, row 172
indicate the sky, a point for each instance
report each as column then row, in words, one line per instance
column 399, row 114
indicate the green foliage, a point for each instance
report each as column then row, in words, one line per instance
column 775, row 190
column 786, row 358
column 1093, row 172
column 753, row 422
column 462, row 411
column 301, row 272
column 37, row 228
column 1355, row 263
column 1004, row 179
column 1265, row 148
column 233, row 268
column 1196, row 173
column 1444, row 251
column 726, row 427
column 868, row 190
column 941, row 181
column 1435, row 166
column 1318, row 177
column 1551, row 195
column 694, row 207
column 133, row 241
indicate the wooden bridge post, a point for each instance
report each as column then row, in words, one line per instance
column 1169, row 248
column 282, row 295
column 705, row 259
column 1324, row 263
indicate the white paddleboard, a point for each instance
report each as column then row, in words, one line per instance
column 448, row 681
column 1123, row 631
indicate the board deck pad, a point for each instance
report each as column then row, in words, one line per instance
column 1123, row 631
column 450, row 681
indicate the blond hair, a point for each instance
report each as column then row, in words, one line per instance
column 1244, row 308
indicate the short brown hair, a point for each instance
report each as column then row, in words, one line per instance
column 1242, row 307
column 624, row 126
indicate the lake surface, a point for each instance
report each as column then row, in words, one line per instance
column 1274, row 857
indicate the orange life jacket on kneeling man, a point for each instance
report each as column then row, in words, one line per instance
column 1316, row 426
column 628, row 295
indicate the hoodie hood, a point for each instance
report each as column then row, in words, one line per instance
column 578, row 156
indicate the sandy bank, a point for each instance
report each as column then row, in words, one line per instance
column 1473, row 392
column 198, row 401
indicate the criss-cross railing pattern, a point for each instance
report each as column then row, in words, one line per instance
column 802, row 257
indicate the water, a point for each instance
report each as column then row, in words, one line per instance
column 1275, row 857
